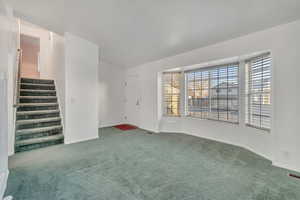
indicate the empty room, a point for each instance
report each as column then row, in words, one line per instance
column 149, row 100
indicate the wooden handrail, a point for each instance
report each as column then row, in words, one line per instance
column 17, row 77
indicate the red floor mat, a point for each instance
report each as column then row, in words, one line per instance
column 125, row 127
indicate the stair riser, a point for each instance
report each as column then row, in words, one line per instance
column 37, row 135
column 36, row 81
column 37, row 116
column 25, row 100
column 35, row 108
column 38, row 87
column 36, row 93
column 37, row 146
column 39, row 125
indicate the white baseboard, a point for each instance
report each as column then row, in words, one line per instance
column 109, row 124
column 285, row 166
column 81, row 140
column 150, row 130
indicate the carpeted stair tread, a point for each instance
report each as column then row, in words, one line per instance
column 26, row 92
column 37, row 112
column 37, row 130
column 37, row 84
column 38, row 81
column 31, row 86
column 36, row 121
column 34, row 79
column 38, row 97
column 31, row 90
column 39, row 140
column 36, row 104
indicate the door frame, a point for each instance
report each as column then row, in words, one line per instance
column 134, row 79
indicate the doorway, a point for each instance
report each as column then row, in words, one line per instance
column 30, row 47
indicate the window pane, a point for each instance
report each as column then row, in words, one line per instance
column 171, row 90
column 222, row 115
column 233, row 116
column 214, row 93
column 214, row 114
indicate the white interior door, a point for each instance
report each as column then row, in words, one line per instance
column 133, row 100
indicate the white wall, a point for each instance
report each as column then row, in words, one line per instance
column 3, row 95
column 11, row 82
column 111, row 94
column 57, row 69
column 81, row 78
column 282, row 144
column 14, row 44
column 3, row 130
column 7, row 57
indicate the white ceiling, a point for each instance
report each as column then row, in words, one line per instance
column 133, row 32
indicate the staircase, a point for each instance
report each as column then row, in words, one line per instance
column 38, row 122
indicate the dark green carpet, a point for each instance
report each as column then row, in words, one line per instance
column 134, row 165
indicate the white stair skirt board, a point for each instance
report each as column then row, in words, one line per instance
column 3, row 171
column 3, row 181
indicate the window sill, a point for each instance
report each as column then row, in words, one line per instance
column 172, row 116
column 215, row 120
column 198, row 118
column 259, row 128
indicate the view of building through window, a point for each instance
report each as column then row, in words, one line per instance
column 213, row 93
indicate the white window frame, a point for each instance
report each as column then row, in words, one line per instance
column 164, row 114
column 209, row 68
column 246, row 104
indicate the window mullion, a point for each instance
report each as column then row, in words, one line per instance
column 201, row 95
column 209, row 94
column 172, row 94
column 227, row 93
column 218, row 95
column 250, row 93
column 182, row 95
column 261, row 89
column 194, row 98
